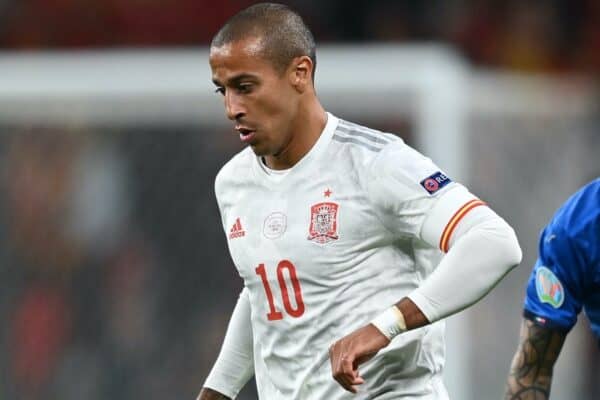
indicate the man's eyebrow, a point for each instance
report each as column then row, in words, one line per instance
column 234, row 80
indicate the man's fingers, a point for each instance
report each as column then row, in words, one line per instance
column 345, row 374
column 348, row 369
column 339, row 373
column 343, row 381
column 344, row 367
column 348, row 353
column 348, row 386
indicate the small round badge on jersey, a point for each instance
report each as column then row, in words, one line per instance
column 435, row 182
column 549, row 288
column 275, row 225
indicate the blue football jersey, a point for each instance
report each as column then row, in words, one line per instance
column 566, row 276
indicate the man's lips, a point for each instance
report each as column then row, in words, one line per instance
column 246, row 134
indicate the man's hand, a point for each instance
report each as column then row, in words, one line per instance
column 349, row 352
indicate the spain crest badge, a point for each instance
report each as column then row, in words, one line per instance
column 323, row 222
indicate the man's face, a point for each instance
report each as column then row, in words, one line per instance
column 260, row 99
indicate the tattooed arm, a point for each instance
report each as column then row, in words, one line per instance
column 209, row 394
column 530, row 374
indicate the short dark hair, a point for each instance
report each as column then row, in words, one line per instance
column 284, row 34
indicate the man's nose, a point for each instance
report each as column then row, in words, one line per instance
column 233, row 106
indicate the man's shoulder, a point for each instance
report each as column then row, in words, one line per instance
column 371, row 141
column 397, row 158
column 365, row 147
column 234, row 170
column 580, row 214
column 572, row 234
column 388, row 162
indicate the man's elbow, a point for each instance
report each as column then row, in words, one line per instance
column 504, row 250
column 514, row 254
column 502, row 253
column 501, row 246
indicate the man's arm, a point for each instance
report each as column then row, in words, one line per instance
column 530, row 375
column 483, row 251
column 235, row 364
column 209, row 394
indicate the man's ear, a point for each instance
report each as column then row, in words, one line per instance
column 301, row 73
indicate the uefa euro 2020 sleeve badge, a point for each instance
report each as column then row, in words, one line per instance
column 323, row 223
column 549, row 288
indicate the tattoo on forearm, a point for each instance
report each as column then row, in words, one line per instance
column 530, row 374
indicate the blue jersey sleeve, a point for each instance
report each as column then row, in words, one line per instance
column 555, row 289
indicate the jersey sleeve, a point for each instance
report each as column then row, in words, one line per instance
column 219, row 190
column 235, row 364
column 414, row 197
column 556, row 286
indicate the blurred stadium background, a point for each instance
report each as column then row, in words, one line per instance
column 116, row 282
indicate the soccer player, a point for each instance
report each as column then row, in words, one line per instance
column 337, row 231
column 565, row 279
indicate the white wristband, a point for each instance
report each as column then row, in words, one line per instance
column 390, row 322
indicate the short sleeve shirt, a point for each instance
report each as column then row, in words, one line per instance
column 566, row 276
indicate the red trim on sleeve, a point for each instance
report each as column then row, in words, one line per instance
column 451, row 225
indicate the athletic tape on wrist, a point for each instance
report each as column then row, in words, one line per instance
column 390, row 322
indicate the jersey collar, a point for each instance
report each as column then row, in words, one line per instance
column 276, row 181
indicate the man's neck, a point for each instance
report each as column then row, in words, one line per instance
column 307, row 129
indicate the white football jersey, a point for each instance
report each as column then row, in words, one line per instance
column 325, row 247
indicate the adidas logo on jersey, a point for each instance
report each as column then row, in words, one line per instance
column 236, row 230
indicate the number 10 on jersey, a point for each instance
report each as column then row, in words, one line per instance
column 290, row 269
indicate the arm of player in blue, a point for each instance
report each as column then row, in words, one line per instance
column 556, row 287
